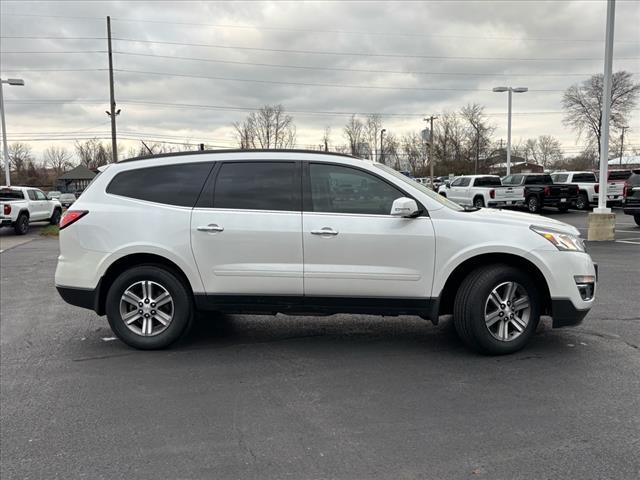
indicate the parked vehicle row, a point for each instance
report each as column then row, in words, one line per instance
column 483, row 191
column 631, row 196
column 21, row 205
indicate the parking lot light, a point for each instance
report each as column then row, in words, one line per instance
column 19, row 83
column 510, row 90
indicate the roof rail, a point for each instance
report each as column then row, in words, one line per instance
column 238, row 150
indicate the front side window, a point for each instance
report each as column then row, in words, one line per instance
column 339, row 189
column 40, row 195
column 456, row 182
column 258, row 186
column 178, row 184
column 464, row 182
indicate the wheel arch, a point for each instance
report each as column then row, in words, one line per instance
column 455, row 278
column 134, row 260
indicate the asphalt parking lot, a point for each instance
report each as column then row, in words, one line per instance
column 346, row 396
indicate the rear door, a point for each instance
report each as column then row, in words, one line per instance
column 353, row 247
column 246, row 234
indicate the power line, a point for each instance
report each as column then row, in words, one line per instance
column 332, row 32
column 358, row 54
column 14, row 70
column 306, row 84
column 48, row 52
column 337, row 69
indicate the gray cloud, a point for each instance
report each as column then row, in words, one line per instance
column 566, row 30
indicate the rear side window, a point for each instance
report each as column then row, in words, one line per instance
column 584, row 178
column 619, row 175
column 258, row 186
column 487, row 182
column 171, row 184
column 512, row 180
column 32, row 194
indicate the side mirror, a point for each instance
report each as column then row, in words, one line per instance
column 404, row 207
column 447, row 184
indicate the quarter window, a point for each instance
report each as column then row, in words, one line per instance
column 258, row 186
column 338, row 189
column 178, row 184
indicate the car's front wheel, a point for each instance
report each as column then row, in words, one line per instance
column 149, row 307
column 497, row 309
column 55, row 217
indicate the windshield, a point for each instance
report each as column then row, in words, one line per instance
column 427, row 191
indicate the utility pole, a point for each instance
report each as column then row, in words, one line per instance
column 431, row 119
column 622, row 143
column 112, row 111
column 477, row 145
column 382, row 145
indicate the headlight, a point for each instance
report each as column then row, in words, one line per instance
column 562, row 241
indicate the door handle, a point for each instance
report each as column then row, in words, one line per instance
column 325, row 231
column 212, row 227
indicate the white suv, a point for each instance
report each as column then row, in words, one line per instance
column 154, row 239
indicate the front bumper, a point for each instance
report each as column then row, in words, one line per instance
column 565, row 314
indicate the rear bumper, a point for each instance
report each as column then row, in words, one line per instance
column 81, row 297
column 631, row 209
column 565, row 314
column 6, row 222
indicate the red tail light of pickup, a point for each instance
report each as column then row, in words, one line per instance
column 7, row 209
column 492, row 193
column 596, row 188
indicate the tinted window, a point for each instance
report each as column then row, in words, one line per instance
column 619, row 175
column 258, row 186
column 8, row 194
column 487, row 182
column 172, row 184
column 455, row 182
column 32, row 194
column 561, row 177
column 538, row 180
column 40, row 195
column 584, row 178
column 464, row 182
column 338, row 189
column 634, row 179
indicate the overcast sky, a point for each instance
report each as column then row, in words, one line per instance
column 410, row 59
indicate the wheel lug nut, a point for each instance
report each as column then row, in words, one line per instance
column 153, row 312
column 146, row 300
column 153, row 304
column 502, row 306
column 146, row 315
column 139, row 304
column 139, row 311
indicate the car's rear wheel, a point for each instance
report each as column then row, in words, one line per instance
column 533, row 204
column 478, row 202
column 149, row 307
column 55, row 217
column 582, row 203
column 497, row 309
column 21, row 226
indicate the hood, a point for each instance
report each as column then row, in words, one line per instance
column 491, row 215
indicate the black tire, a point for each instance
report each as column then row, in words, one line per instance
column 478, row 202
column 55, row 217
column 563, row 208
column 533, row 204
column 21, row 225
column 470, row 303
column 582, row 203
column 443, row 194
column 636, row 217
column 183, row 310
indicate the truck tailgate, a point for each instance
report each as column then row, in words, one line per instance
column 510, row 194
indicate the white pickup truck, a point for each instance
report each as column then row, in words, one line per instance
column 588, row 186
column 483, row 191
column 21, row 205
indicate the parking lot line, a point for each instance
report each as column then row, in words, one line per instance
column 629, row 241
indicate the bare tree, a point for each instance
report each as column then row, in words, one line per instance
column 544, row 150
column 19, row 156
column 269, row 127
column 372, row 127
column 478, row 139
column 392, row 151
column 354, row 133
column 57, row 158
column 93, row 153
column 413, row 149
column 326, row 138
column 583, row 104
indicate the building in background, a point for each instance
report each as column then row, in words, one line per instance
column 75, row 180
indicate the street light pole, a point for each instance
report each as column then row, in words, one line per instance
column 510, row 90
column 382, row 145
column 430, row 119
column 5, row 148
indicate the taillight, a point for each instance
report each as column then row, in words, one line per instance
column 547, row 191
column 71, row 216
column 492, row 193
column 596, row 188
column 625, row 189
column 7, row 209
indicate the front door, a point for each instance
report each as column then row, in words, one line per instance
column 248, row 240
column 353, row 247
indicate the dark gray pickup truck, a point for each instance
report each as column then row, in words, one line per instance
column 540, row 191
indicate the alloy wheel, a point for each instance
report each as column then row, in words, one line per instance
column 146, row 308
column 507, row 311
